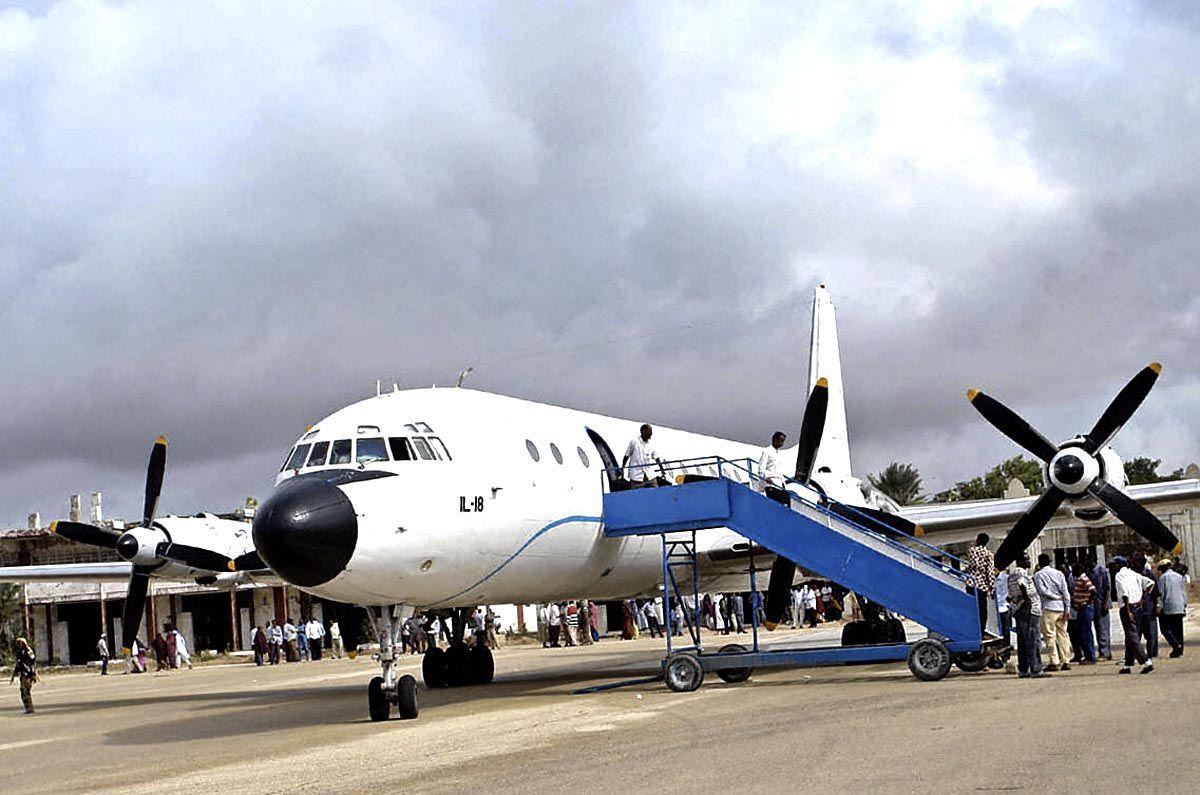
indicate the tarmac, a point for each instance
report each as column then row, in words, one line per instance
column 303, row 727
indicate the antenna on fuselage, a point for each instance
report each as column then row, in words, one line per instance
column 463, row 376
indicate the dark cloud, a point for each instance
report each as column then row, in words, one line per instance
column 224, row 226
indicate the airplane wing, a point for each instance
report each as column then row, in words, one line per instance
column 948, row 516
column 67, row 572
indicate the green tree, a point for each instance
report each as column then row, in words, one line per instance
column 992, row 484
column 10, row 619
column 901, row 482
column 1145, row 470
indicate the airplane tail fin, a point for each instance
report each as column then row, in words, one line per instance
column 824, row 361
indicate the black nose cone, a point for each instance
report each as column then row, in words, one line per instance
column 1068, row 470
column 306, row 531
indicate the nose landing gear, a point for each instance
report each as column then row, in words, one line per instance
column 388, row 689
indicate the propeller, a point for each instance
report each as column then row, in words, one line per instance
column 812, row 428
column 139, row 580
column 86, row 534
column 247, row 561
column 1075, row 469
column 195, row 557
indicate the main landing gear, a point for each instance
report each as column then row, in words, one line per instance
column 388, row 689
column 459, row 664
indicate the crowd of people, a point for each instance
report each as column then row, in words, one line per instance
column 1063, row 611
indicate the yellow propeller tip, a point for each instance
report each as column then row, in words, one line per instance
column 918, row 531
column 770, row 625
column 823, row 383
column 231, row 566
column 679, row 480
column 972, row 394
column 1178, row 550
column 161, row 440
column 54, row 526
column 1156, row 367
column 353, row 655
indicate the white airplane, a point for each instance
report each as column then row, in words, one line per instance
column 445, row 499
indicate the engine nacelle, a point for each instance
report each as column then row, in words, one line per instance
column 139, row 546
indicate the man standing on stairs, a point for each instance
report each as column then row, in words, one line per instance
column 640, row 458
column 982, row 568
column 770, row 471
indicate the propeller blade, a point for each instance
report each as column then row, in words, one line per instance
column 779, row 591
column 195, row 557
column 249, row 561
column 892, row 524
column 1011, row 425
column 86, row 534
column 1132, row 513
column 155, row 469
column 811, row 429
column 350, row 620
column 135, row 606
column 1028, row 526
column 1122, row 407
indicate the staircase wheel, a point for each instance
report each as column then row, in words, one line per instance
column 929, row 659
column 733, row 675
column 683, row 673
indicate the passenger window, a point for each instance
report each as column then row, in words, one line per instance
column 554, row 452
column 298, row 456
column 341, row 452
column 319, row 451
column 423, row 448
column 424, row 426
column 583, row 457
column 370, row 450
column 440, row 448
column 401, row 449
column 533, row 451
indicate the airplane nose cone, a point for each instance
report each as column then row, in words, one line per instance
column 306, row 531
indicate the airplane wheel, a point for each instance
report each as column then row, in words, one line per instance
column 972, row 661
column 433, row 668
column 929, row 659
column 481, row 666
column 683, row 673
column 406, row 697
column 734, row 675
column 458, row 665
column 377, row 701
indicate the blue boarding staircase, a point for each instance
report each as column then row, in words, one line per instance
column 900, row 573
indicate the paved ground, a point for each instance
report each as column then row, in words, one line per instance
column 303, row 728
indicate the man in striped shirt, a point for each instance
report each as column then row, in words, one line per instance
column 982, row 568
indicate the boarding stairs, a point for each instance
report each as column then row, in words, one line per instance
column 852, row 548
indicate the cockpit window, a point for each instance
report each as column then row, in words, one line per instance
column 423, row 448
column 341, row 452
column 411, row 427
column 401, row 449
column 440, row 448
column 424, row 426
column 371, row 450
column 298, row 456
column 317, row 457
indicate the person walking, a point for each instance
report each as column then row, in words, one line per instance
column 290, row 635
column 172, row 648
column 1026, row 608
column 808, row 598
column 1055, row 596
column 260, row 645
column 770, row 478
column 302, row 640
column 543, row 625
column 102, row 651
column 797, row 608
column 1083, row 599
column 737, row 610
column 490, row 622
column 25, row 667
column 651, row 619
column 981, row 565
column 564, row 619
column 1172, row 606
column 1101, row 619
column 181, row 649
column 1003, row 614
column 1131, row 588
column 316, row 638
column 640, row 458
column 555, row 626
column 339, row 647
column 584, row 627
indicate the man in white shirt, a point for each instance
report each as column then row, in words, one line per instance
column 808, row 597
column 276, row 638
column 291, row 651
column 316, row 634
column 1055, row 595
column 770, row 471
column 543, row 615
column 555, row 624
column 1130, row 588
column 181, row 649
column 335, row 635
column 640, row 458
column 797, row 608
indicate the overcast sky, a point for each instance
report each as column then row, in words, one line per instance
column 223, row 223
